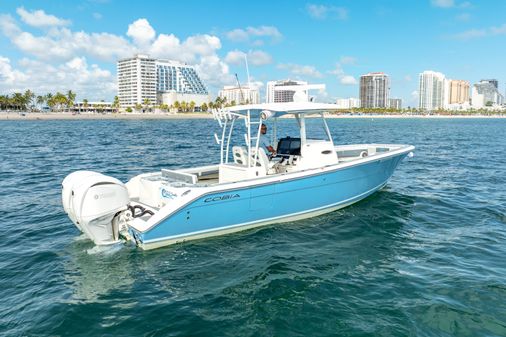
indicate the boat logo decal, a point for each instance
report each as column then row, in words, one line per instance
column 222, row 197
column 168, row 194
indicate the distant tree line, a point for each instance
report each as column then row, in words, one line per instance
column 29, row 101
column 183, row 106
column 417, row 111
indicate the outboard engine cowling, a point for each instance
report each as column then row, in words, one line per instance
column 92, row 201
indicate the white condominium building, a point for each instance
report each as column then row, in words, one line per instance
column 159, row 81
column 276, row 94
column 374, row 90
column 432, row 90
column 136, row 80
column 395, row 103
column 240, row 95
column 348, row 103
column 486, row 94
column 179, row 82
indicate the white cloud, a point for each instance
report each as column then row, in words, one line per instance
column 141, row 32
column 244, row 35
column 214, row 71
column 301, row 70
column 321, row 96
column 87, row 81
column 170, row 47
column 322, row 12
column 62, row 49
column 235, row 57
column 450, row 4
column 480, row 33
column 8, row 25
column 463, row 17
column 413, row 99
column 237, row 35
column 204, row 45
column 255, row 57
column 501, row 30
column 259, row 58
column 39, row 18
column 443, row 3
column 343, row 78
column 338, row 70
column 9, row 76
column 63, row 44
column 348, row 80
column 256, row 84
column 347, row 60
column 97, row 16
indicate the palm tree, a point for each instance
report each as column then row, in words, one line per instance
column 85, row 104
column 138, row 106
column 28, row 99
column 192, row 106
column 203, row 107
column 184, row 106
column 177, row 105
column 40, row 100
column 220, row 101
column 18, row 100
column 3, row 101
column 115, row 104
column 60, row 100
column 146, row 102
column 71, row 97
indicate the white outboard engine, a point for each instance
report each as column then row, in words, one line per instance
column 93, row 201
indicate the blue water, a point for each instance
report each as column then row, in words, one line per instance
column 425, row 256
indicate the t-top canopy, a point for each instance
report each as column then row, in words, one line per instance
column 274, row 110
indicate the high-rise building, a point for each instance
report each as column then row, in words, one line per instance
column 179, row 82
column 374, row 90
column 276, row 94
column 492, row 81
column 348, row 103
column 395, row 103
column 485, row 93
column 240, row 95
column 458, row 92
column 432, row 90
column 136, row 80
column 142, row 78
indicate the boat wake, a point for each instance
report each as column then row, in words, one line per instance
column 105, row 250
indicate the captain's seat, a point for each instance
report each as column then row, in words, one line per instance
column 263, row 161
column 240, row 155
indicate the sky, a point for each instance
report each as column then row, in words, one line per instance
column 47, row 46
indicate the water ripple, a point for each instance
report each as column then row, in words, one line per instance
column 422, row 257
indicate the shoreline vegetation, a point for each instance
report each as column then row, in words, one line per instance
column 58, row 106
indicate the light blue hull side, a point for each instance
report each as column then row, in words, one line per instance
column 236, row 208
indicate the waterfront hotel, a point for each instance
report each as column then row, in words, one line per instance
column 142, row 79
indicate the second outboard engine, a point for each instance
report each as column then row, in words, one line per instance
column 93, row 201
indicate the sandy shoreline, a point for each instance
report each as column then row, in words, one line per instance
column 127, row 116
column 158, row 116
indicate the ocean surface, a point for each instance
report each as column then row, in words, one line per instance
column 425, row 256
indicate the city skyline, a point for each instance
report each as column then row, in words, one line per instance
column 47, row 47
